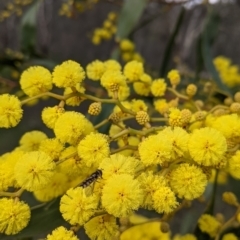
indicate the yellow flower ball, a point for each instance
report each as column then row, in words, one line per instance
column 10, row 111
column 93, row 149
column 161, row 106
column 7, row 164
column 112, row 65
column 52, row 147
column 174, row 77
column 164, row 200
column 71, row 127
column 112, row 80
column 150, row 183
column 156, row 149
column 188, row 181
column 31, row 141
column 36, row 80
column 14, row 216
column 68, row 74
column 158, row 87
column 133, row 70
column 34, row 170
column 95, row 70
column 209, row 225
column 76, row 207
column 102, row 227
column 51, row 114
column 126, row 45
column 118, row 164
column 62, row 233
column 207, row 146
column 56, row 187
column 179, row 139
column 229, row 236
column 121, row 195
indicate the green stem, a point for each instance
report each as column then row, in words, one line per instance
column 176, row 93
column 103, row 122
column 50, row 94
column 12, row 194
column 124, row 148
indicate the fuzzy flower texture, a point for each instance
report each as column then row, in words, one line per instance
column 156, row 155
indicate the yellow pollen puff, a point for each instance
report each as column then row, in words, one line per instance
column 191, row 90
column 68, row 74
column 76, row 207
column 207, row 146
column 10, row 111
column 34, row 170
column 71, row 127
column 62, row 233
column 175, row 118
column 155, row 149
column 113, row 80
column 164, row 200
column 36, row 80
column 174, row 77
column 188, row 181
column 229, row 236
column 95, row 70
column 133, row 70
column 93, row 148
column 161, row 106
column 158, row 87
column 51, row 114
column 209, row 225
column 15, row 216
column 230, row 198
column 102, row 227
column 121, row 199
column 95, row 108
column 142, row 117
column 31, row 141
column 126, row 45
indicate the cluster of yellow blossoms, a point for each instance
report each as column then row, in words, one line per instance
column 229, row 73
column 162, row 163
column 128, row 52
column 107, row 30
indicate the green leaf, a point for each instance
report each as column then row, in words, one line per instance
column 28, row 28
column 129, row 16
column 43, row 220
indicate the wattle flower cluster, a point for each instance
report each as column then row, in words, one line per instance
column 156, row 156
